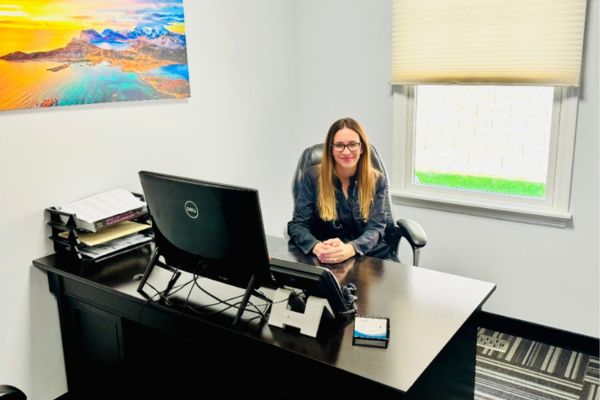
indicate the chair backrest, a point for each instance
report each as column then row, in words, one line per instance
column 395, row 230
column 313, row 155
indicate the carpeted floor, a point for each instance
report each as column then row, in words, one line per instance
column 528, row 370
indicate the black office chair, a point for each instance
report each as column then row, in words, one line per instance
column 395, row 230
column 8, row 392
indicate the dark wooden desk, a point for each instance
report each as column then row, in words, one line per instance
column 112, row 336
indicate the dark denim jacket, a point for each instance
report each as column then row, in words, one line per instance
column 306, row 227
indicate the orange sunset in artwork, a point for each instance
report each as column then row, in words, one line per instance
column 66, row 52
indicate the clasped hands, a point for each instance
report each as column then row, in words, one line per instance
column 333, row 251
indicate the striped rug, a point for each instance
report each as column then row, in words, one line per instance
column 528, row 370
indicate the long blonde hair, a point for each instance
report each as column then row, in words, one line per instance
column 366, row 174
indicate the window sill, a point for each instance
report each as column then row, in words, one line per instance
column 503, row 211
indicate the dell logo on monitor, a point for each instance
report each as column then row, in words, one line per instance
column 191, row 209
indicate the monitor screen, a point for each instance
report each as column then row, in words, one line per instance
column 209, row 229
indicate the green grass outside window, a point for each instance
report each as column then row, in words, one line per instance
column 483, row 184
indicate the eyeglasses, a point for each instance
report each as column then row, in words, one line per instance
column 340, row 147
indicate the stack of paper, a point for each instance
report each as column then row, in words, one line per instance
column 104, row 223
column 111, row 233
column 114, row 246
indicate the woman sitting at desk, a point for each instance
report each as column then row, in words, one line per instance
column 339, row 209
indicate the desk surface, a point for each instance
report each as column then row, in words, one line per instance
column 426, row 308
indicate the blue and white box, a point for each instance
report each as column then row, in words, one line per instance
column 371, row 331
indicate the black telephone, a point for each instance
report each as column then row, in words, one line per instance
column 316, row 281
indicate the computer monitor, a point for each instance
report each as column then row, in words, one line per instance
column 209, row 229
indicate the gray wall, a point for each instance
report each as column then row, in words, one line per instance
column 268, row 77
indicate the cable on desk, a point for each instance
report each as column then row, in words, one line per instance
column 262, row 313
column 187, row 299
column 161, row 296
column 186, row 306
column 226, row 302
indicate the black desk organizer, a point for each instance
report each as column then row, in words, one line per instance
column 70, row 246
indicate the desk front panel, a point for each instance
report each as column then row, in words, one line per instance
column 427, row 309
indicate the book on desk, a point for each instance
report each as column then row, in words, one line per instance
column 100, row 226
column 102, row 210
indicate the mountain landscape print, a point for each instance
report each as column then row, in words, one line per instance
column 67, row 52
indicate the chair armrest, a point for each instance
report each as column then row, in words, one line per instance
column 8, row 392
column 413, row 232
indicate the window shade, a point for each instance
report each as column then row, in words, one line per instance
column 488, row 41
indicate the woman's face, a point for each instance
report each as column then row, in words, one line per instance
column 346, row 152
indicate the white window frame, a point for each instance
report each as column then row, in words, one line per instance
column 553, row 210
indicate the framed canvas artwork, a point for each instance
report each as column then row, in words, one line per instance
column 67, row 52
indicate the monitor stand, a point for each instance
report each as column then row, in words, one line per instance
column 242, row 307
column 154, row 261
column 308, row 322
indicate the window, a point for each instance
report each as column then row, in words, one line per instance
column 485, row 150
column 491, row 139
column 485, row 103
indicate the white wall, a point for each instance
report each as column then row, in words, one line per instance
column 544, row 275
column 268, row 77
column 230, row 130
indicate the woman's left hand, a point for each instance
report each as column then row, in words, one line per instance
column 336, row 251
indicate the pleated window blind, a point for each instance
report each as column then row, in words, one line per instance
column 526, row 42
